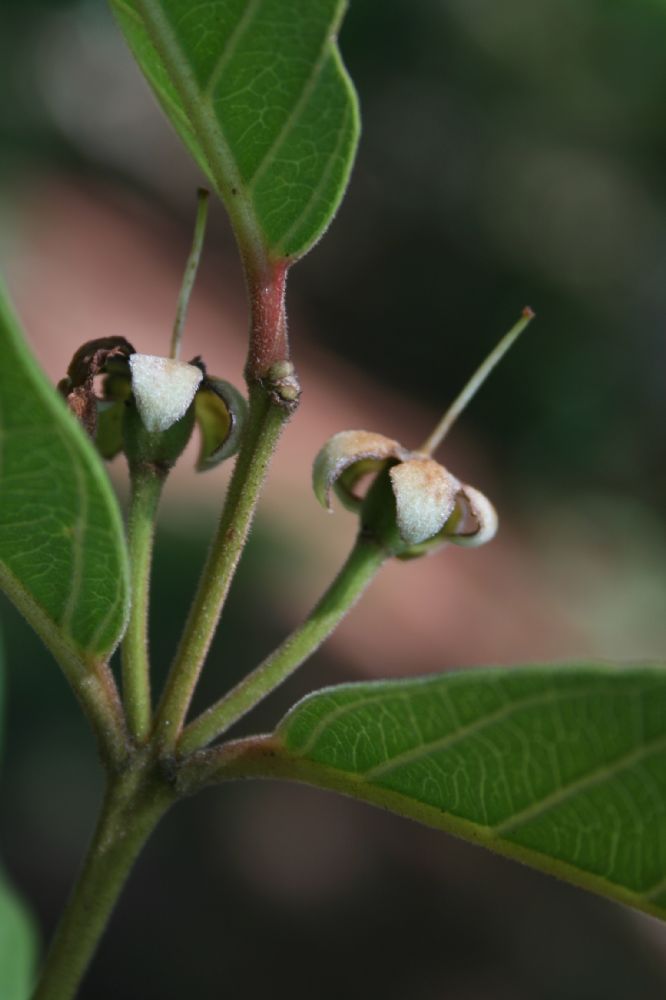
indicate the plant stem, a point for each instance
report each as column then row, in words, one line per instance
column 191, row 269
column 146, row 489
column 265, row 421
column 432, row 443
column 131, row 810
column 363, row 562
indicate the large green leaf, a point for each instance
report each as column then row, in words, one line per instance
column 17, row 936
column 257, row 91
column 62, row 553
column 561, row 767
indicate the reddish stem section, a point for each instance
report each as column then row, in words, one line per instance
column 269, row 341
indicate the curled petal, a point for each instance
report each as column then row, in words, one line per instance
column 220, row 412
column 163, row 389
column 345, row 458
column 425, row 496
column 478, row 510
column 105, row 354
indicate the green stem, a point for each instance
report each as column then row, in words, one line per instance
column 191, row 269
column 147, row 483
column 362, row 564
column 131, row 810
column 266, row 419
column 433, row 441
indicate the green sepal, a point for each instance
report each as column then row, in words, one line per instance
column 110, row 412
column 220, row 412
column 109, row 432
column 157, row 449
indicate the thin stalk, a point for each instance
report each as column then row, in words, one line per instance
column 130, row 812
column 265, row 422
column 146, row 489
column 432, row 443
column 190, row 274
column 363, row 562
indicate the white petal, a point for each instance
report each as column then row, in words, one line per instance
column 344, row 450
column 163, row 389
column 482, row 513
column 425, row 496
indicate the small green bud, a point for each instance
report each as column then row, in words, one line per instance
column 282, row 382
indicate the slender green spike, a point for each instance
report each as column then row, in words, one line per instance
column 191, row 269
column 432, row 443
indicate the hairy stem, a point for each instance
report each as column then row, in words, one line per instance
column 265, row 422
column 273, row 396
column 361, row 566
column 147, row 483
column 131, row 810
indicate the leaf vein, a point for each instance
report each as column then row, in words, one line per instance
column 230, row 46
column 596, row 777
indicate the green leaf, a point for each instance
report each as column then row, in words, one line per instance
column 258, row 93
column 561, row 767
column 18, row 946
column 63, row 560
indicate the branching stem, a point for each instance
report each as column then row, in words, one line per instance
column 363, row 562
column 270, row 408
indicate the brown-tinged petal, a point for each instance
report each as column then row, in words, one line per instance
column 479, row 521
column 353, row 453
column 425, row 496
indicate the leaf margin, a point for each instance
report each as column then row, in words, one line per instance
column 63, row 647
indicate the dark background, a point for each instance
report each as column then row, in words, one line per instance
column 513, row 153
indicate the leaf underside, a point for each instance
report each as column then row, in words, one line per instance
column 257, row 91
column 62, row 553
column 561, row 767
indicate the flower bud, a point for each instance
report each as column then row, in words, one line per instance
column 415, row 504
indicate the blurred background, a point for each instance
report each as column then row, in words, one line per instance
column 513, row 153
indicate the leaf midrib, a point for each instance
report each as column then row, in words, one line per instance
column 206, row 127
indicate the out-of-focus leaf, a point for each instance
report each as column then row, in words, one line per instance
column 17, row 937
column 563, row 768
column 63, row 558
column 257, row 91
column 17, row 946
